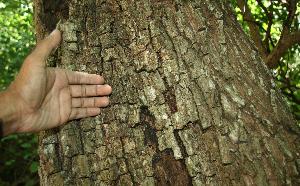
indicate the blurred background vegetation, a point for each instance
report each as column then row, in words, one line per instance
column 16, row 37
column 18, row 153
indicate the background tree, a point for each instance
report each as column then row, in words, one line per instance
column 274, row 27
column 18, row 153
column 193, row 102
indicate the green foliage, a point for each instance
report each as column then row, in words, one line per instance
column 16, row 37
column 19, row 158
column 288, row 79
column 270, row 17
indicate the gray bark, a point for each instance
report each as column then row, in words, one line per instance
column 192, row 104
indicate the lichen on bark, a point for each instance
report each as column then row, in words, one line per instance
column 192, row 102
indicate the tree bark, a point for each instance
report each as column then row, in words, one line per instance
column 193, row 103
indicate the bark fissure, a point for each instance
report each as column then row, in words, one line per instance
column 171, row 100
column 126, row 162
column 80, row 136
column 192, row 101
column 181, row 145
column 170, row 171
column 147, row 120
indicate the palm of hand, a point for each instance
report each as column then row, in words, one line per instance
column 51, row 105
column 49, row 97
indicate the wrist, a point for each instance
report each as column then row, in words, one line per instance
column 8, row 113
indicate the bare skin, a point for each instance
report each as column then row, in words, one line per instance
column 41, row 97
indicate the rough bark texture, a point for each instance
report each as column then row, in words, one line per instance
column 193, row 103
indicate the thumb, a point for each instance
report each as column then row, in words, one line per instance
column 46, row 46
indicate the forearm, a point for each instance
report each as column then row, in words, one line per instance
column 8, row 113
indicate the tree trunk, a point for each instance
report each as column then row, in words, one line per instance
column 192, row 104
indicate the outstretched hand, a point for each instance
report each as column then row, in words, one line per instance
column 45, row 97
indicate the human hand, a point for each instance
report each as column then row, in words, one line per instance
column 41, row 97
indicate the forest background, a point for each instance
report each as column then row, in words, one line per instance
column 18, row 153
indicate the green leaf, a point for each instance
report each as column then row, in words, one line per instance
column 26, row 145
column 34, row 167
column 8, row 163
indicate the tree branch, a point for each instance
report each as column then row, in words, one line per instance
column 253, row 28
column 270, row 19
column 286, row 41
column 288, row 86
column 257, row 23
column 294, row 98
column 287, row 38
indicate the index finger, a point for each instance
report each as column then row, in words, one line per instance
column 78, row 78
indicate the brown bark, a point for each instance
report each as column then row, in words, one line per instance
column 193, row 102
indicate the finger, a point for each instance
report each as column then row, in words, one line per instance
column 90, row 102
column 78, row 78
column 89, row 90
column 78, row 113
column 46, row 46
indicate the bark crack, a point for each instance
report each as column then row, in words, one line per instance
column 80, row 135
column 181, row 145
column 126, row 161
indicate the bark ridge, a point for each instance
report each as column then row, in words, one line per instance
column 193, row 103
